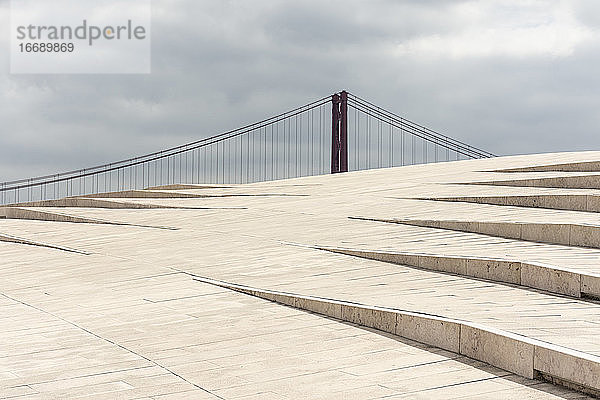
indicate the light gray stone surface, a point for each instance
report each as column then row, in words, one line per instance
column 509, row 353
column 572, row 366
column 125, row 320
column 495, row 270
column 554, row 280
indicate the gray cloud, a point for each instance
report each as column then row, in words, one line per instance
column 220, row 64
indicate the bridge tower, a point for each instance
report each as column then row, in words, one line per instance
column 339, row 133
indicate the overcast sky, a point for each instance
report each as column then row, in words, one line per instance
column 510, row 77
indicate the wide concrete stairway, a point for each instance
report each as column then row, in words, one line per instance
column 496, row 260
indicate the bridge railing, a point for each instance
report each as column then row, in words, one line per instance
column 299, row 142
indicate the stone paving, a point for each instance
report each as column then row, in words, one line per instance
column 124, row 318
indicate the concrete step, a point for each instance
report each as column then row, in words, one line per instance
column 19, row 240
column 541, row 276
column 156, row 194
column 518, row 354
column 586, row 166
column 39, row 215
column 145, row 194
column 578, row 235
column 87, row 202
column 570, row 202
column 562, row 182
column 187, row 186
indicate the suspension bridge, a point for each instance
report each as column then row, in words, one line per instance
column 334, row 134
